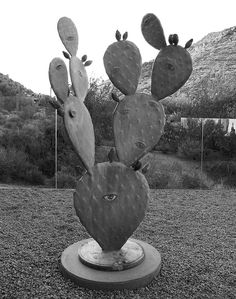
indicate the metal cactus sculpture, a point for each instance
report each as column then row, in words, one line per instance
column 111, row 197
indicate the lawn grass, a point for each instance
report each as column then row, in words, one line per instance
column 193, row 230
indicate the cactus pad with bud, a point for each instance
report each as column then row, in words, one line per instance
column 122, row 61
column 171, row 69
column 173, row 64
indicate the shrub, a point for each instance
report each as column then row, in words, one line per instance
column 34, row 176
column 190, row 149
column 64, row 180
column 173, row 134
column 158, row 180
column 14, row 166
column 222, row 171
column 191, row 181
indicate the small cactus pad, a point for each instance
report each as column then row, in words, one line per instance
column 79, row 78
column 80, row 130
column 68, row 35
column 123, row 63
column 111, row 203
column 58, row 78
column 153, row 31
column 138, row 125
column 171, row 69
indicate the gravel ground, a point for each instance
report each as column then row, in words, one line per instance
column 193, row 230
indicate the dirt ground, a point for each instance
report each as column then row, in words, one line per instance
column 194, row 231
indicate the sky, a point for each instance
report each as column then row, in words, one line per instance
column 29, row 38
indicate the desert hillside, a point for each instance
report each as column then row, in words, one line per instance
column 214, row 68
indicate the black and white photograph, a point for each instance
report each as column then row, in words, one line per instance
column 118, row 149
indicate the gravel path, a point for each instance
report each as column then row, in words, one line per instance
column 193, row 230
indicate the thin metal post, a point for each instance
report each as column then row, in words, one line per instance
column 55, row 153
column 202, row 150
column 56, row 148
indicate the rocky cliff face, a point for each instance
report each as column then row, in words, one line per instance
column 214, row 69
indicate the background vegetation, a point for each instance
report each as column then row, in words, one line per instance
column 27, row 140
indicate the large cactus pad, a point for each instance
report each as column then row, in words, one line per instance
column 171, row 70
column 123, row 63
column 138, row 125
column 111, row 203
column 80, row 130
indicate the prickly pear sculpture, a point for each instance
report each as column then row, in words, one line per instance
column 173, row 64
column 111, row 197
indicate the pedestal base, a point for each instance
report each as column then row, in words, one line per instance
column 91, row 278
column 129, row 256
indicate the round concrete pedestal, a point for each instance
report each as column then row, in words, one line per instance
column 130, row 255
column 91, row 278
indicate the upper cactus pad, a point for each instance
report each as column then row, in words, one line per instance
column 123, row 62
column 68, row 35
column 171, row 69
column 153, row 32
column 58, row 77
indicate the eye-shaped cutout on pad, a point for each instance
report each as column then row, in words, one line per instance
column 110, row 197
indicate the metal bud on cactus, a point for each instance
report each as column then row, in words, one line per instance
column 88, row 62
column 123, row 62
column 84, row 58
column 66, row 55
column 56, row 105
column 188, row 44
column 175, row 39
column 115, row 97
column 136, row 165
